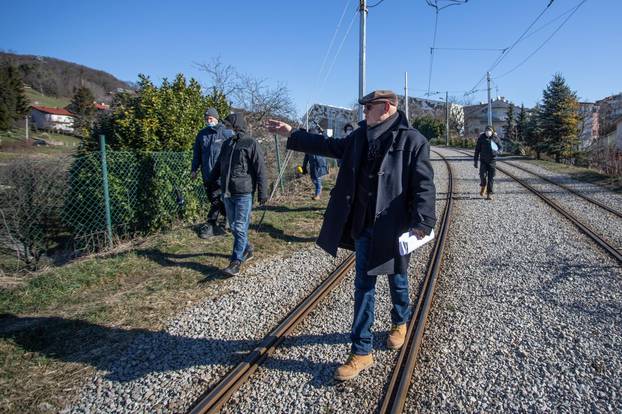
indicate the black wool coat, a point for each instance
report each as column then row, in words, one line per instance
column 406, row 195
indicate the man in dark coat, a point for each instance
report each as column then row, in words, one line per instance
column 238, row 172
column 385, row 187
column 205, row 153
column 487, row 147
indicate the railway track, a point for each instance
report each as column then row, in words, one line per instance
column 598, row 239
column 214, row 399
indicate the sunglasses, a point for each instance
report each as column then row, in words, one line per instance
column 369, row 106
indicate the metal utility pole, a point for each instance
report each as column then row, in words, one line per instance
column 489, row 100
column 362, row 52
column 406, row 94
column 447, row 118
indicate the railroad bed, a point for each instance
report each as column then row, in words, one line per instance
column 526, row 316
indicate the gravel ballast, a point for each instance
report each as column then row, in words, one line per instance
column 527, row 316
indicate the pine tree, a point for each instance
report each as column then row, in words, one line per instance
column 83, row 107
column 521, row 124
column 533, row 132
column 510, row 126
column 13, row 102
column 560, row 119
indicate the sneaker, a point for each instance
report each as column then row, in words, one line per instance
column 353, row 366
column 396, row 336
column 489, row 196
column 233, row 268
column 315, row 197
column 482, row 190
column 248, row 255
column 206, row 231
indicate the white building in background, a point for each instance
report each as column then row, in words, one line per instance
column 330, row 118
column 55, row 119
column 588, row 125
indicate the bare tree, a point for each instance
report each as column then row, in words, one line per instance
column 253, row 95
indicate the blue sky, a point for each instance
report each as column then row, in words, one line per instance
column 287, row 41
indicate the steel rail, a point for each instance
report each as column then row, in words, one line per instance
column 214, row 399
column 604, row 244
column 575, row 192
column 397, row 390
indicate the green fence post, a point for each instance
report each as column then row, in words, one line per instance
column 278, row 162
column 102, row 152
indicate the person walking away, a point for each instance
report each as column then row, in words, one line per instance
column 317, row 168
column 486, row 150
column 206, row 149
column 239, row 171
column 384, row 189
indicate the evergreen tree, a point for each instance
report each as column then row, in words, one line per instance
column 559, row 119
column 533, row 132
column 13, row 102
column 165, row 118
column 510, row 124
column 83, row 107
column 429, row 126
column 521, row 124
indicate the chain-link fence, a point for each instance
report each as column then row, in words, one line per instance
column 52, row 209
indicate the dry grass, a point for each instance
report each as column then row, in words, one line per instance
column 64, row 323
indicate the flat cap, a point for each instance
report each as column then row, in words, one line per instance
column 380, row 96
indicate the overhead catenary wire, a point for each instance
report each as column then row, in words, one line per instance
column 545, row 41
column 434, row 4
column 509, row 49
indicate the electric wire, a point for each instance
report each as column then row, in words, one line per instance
column 543, row 43
column 509, row 49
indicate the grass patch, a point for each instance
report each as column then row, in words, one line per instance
column 13, row 144
column 62, row 324
column 582, row 174
column 37, row 98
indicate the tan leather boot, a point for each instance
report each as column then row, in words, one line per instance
column 482, row 190
column 396, row 336
column 353, row 366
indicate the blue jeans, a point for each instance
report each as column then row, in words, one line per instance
column 364, row 298
column 238, row 208
column 318, row 185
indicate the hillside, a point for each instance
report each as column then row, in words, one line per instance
column 58, row 78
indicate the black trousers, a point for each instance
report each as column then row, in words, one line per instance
column 216, row 209
column 487, row 172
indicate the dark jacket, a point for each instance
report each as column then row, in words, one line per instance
column 207, row 148
column 406, row 195
column 315, row 165
column 483, row 149
column 241, row 167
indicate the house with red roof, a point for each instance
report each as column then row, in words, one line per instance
column 56, row 119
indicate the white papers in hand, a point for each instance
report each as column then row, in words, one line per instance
column 409, row 243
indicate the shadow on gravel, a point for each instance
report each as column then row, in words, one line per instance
column 173, row 260
column 283, row 209
column 129, row 354
column 277, row 233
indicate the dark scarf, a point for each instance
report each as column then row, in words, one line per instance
column 375, row 132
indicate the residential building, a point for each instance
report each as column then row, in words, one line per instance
column 476, row 117
column 588, row 126
column 330, row 118
column 609, row 111
column 56, row 119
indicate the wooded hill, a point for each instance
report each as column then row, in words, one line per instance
column 58, row 78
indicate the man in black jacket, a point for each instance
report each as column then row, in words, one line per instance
column 238, row 172
column 385, row 187
column 487, row 147
column 205, row 153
